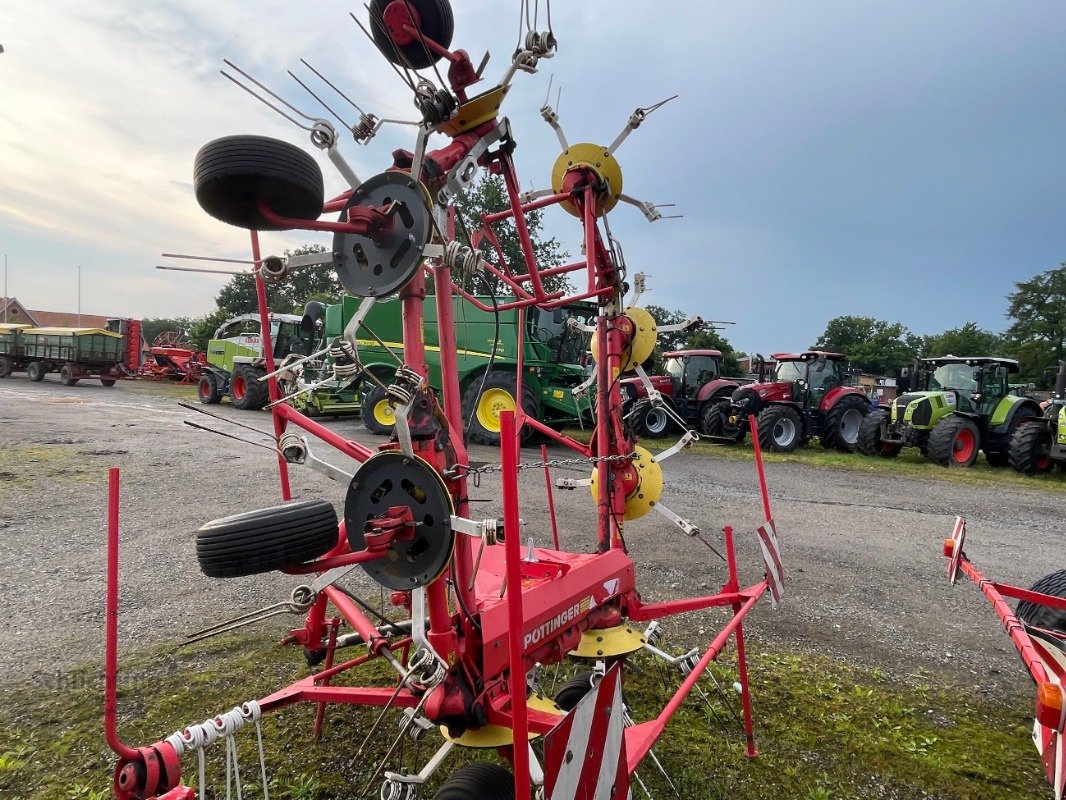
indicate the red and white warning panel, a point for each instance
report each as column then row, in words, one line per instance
column 771, row 556
column 1048, row 730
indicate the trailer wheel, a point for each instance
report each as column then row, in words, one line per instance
column 843, row 423
column 6, row 367
column 267, row 539
column 378, row 415
column 433, row 18
column 954, row 442
column 36, row 371
column 780, row 428
column 482, row 405
column 233, row 174
column 478, row 782
column 1053, row 619
column 109, row 382
column 207, row 389
column 66, row 376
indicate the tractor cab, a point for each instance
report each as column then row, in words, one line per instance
column 977, row 383
column 803, row 378
column 565, row 344
column 689, row 370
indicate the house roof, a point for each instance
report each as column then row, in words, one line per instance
column 68, row 319
column 15, row 311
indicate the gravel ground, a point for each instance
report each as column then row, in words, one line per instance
column 866, row 579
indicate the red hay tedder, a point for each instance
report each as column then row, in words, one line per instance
column 487, row 608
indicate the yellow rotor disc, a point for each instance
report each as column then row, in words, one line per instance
column 595, row 158
column 645, row 334
column 609, row 642
column 649, row 486
column 498, row 735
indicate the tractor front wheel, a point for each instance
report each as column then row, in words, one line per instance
column 843, row 423
column 1054, row 619
column 207, row 389
column 378, row 415
column 36, row 371
column 108, row 382
column 780, row 428
column 954, row 442
column 713, row 418
column 478, row 782
column 246, row 391
column 66, row 376
column 483, row 405
column 872, row 435
column 1030, row 448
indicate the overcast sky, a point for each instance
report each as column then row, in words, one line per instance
column 902, row 160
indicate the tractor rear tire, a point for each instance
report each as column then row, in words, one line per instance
column 434, row 22
column 36, row 371
column 652, row 422
column 712, row 421
column 843, row 422
column 246, row 391
column 482, row 405
column 66, row 376
column 265, row 540
column 954, row 442
column 232, row 175
column 207, row 389
column 378, row 415
column 1030, row 448
column 6, row 366
column 780, row 428
column 478, row 782
column 1053, row 619
column 872, row 436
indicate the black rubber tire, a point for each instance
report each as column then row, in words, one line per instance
column 108, row 382
column 207, row 389
column 246, row 391
column 571, row 692
column 497, row 379
column 1030, row 447
column 435, row 22
column 1053, row 619
column 232, row 174
column 777, row 416
column 948, row 436
column 712, row 420
column 36, row 371
column 66, row 376
column 478, row 782
column 6, row 366
column 871, row 436
column 366, row 412
column 1000, row 459
column 267, row 539
column 651, row 422
column 835, row 433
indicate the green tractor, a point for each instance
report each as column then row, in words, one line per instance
column 1040, row 443
column 235, row 361
column 962, row 405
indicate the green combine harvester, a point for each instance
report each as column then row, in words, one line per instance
column 963, row 405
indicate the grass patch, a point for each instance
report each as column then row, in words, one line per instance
column 27, row 466
column 179, row 391
column 824, row 730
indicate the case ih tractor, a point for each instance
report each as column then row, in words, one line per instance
column 691, row 385
column 964, row 405
column 807, row 396
column 1038, row 444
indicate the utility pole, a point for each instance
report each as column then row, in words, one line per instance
column 7, row 301
column 79, row 296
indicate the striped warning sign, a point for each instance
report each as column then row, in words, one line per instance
column 584, row 755
column 771, row 556
column 958, row 536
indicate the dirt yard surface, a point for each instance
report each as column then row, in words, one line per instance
column 866, row 577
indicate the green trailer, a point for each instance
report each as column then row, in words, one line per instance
column 554, row 358
column 10, row 352
column 74, row 353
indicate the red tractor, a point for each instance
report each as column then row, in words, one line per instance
column 808, row 395
column 691, row 386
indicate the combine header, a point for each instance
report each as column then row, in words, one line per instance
column 487, row 607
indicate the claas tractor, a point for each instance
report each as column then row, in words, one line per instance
column 691, row 384
column 807, row 395
column 1039, row 443
column 963, row 405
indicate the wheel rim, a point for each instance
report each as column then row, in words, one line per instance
column 964, row 446
column 1042, row 460
column 205, row 389
column 849, row 425
column 239, row 387
column 656, row 421
column 784, row 432
column 491, row 404
column 384, row 414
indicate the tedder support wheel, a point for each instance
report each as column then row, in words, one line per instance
column 35, row 371
column 232, row 175
column 843, row 422
column 66, row 376
column 872, row 435
column 207, row 389
column 1053, row 619
column 107, row 382
column 482, row 406
column 574, row 690
column 652, row 422
column 432, row 18
column 478, row 782
column 780, row 428
column 378, row 415
column 6, row 366
column 1030, row 448
column 267, row 539
column 954, row 442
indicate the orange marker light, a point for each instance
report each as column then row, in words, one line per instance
column 1050, row 706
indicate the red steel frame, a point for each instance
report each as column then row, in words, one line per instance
column 535, row 591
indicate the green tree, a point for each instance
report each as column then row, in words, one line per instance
column 872, row 345
column 202, row 329
column 1037, row 335
column 153, row 326
column 969, row 340
column 489, row 195
column 712, row 340
column 238, row 296
column 690, row 340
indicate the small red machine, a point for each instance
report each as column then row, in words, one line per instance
column 489, row 604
